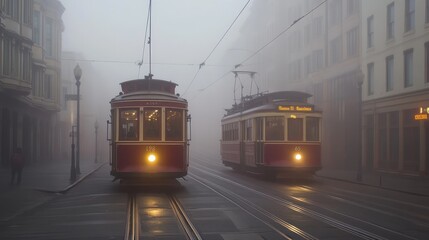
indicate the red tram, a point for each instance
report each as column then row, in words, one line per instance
column 277, row 134
column 149, row 126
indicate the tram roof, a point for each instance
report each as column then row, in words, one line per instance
column 262, row 101
column 148, row 84
column 148, row 89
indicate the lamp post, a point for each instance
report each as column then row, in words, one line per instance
column 96, row 135
column 77, row 74
column 360, row 77
column 73, row 162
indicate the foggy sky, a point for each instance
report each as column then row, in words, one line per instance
column 111, row 33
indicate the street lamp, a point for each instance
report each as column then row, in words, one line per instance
column 96, row 129
column 73, row 162
column 77, row 74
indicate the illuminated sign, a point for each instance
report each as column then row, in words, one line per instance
column 296, row 108
column 424, row 110
column 421, row 116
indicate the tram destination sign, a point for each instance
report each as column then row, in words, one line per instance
column 295, row 108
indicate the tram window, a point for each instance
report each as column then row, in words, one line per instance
column 152, row 124
column 248, row 126
column 274, row 128
column 312, row 129
column 173, row 124
column 128, row 124
column 295, row 129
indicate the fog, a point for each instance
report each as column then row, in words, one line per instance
column 106, row 38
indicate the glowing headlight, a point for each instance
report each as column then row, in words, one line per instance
column 151, row 158
column 298, row 157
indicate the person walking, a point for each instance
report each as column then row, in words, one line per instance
column 17, row 164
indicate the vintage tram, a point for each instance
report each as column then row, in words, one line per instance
column 149, row 131
column 277, row 134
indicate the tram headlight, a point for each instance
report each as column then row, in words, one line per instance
column 151, row 158
column 298, row 157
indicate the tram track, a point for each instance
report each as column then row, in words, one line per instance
column 132, row 225
column 356, row 231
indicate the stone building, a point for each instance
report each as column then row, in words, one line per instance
column 395, row 60
column 30, row 51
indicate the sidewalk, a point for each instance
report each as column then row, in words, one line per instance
column 418, row 185
column 39, row 183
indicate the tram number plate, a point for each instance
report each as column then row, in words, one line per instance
column 150, row 148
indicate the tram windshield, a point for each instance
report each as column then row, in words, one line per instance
column 274, row 128
column 173, row 124
column 152, row 124
column 295, row 129
column 128, row 124
column 312, row 129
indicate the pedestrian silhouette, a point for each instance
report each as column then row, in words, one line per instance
column 17, row 164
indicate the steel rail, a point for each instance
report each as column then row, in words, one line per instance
column 190, row 230
column 329, row 220
column 132, row 220
column 270, row 216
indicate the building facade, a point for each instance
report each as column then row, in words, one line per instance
column 319, row 54
column 395, row 60
column 352, row 55
column 30, row 47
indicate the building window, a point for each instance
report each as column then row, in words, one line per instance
column 390, row 21
column 389, row 73
column 48, row 86
column 28, row 8
column 410, row 12
column 336, row 50
column 370, row 32
column 49, row 37
column 11, row 8
column 335, row 15
column 36, row 27
column 370, row 75
column 7, row 56
column 352, row 42
column 408, row 68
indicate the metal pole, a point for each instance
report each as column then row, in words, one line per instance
column 96, row 145
column 78, row 129
column 72, row 167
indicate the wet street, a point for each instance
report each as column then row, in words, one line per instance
column 214, row 202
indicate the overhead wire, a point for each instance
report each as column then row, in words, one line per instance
column 220, row 40
column 264, row 46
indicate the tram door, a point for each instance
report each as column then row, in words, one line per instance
column 242, row 144
column 259, row 137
